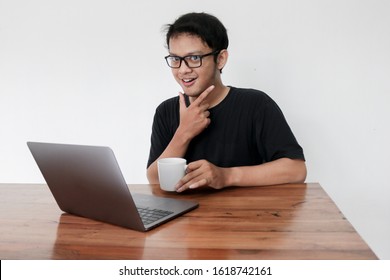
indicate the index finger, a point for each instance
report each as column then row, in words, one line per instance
column 203, row 95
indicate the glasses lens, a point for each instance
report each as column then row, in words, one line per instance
column 173, row 61
column 193, row 61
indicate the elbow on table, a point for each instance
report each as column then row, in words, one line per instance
column 300, row 172
column 152, row 177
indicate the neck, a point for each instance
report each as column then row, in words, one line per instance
column 216, row 96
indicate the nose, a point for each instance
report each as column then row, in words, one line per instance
column 183, row 69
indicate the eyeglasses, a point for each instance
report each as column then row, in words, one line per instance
column 192, row 61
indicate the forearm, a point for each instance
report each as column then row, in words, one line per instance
column 280, row 171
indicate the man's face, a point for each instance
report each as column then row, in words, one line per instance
column 193, row 80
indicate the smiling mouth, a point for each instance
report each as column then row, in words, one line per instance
column 188, row 80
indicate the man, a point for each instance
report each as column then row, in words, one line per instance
column 229, row 136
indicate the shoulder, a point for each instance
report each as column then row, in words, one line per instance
column 250, row 96
column 173, row 101
column 255, row 102
column 168, row 105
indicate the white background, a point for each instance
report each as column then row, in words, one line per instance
column 92, row 72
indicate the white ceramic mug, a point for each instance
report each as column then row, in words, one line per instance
column 170, row 171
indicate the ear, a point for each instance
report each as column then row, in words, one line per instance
column 222, row 59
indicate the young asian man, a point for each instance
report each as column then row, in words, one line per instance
column 229, row 136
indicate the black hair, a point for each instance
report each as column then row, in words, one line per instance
column 206, row 26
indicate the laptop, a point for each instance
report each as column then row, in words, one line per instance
column 87, row 181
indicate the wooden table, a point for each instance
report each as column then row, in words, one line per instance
column 297, row 221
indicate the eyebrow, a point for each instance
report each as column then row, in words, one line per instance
column 190, row 53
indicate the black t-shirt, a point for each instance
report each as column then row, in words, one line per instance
column 247, row 128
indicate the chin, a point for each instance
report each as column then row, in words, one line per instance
column 191, row 93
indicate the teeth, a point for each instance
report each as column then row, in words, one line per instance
column 187, row 80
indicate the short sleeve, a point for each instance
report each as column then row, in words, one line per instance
column 274, row 136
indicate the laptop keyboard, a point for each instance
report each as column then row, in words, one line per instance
column 149, row 216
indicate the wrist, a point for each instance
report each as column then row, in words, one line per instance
column 182, row 136
column 232, row 176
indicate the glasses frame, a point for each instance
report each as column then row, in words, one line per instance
column 183, row 58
